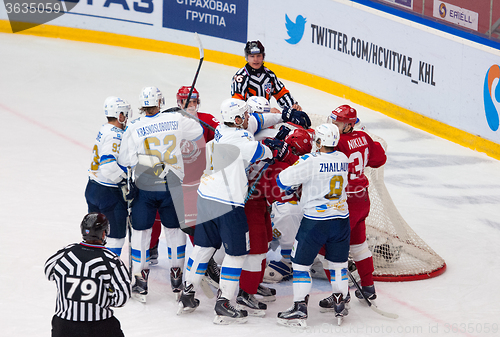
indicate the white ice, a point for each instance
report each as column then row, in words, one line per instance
column 51, row 97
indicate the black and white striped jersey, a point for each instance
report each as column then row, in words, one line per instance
column 248, row 82
column 89, row 279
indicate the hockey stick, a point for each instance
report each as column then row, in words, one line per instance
column 252, row 188
column 370, row 304
column 129, row 224
column 202, row 56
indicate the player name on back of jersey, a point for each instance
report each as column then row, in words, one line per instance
column 357, row 142
column 157, row 127
column 333, row 167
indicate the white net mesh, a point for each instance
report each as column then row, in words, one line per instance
column 399, row 254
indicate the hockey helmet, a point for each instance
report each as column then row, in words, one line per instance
column 232, row 108
column 113, row 106
column 344, row 114
column 93, row 225
column 259, row 104
column 300, row 142
column 182, row 95
column 328, row 134
column 151, row 97
column 254, row 47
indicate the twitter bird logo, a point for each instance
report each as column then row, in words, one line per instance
column 295, row 29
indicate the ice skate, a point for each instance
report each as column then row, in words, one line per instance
column 153, row 255
column 140, row 287
column 368, row 291
column 248, row 302
column 212, row 275
column 296, row 315
column 265, row 294
column 187, row 302
column 227, row 314
column 277, row 271
column 340, row 308
column 327, row 304
column 176, row 281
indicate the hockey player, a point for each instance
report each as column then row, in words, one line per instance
column 323, row 176
column 103, row 193
column 362, row 152
column 151, row 145
column 256, row 80
column 221, row 215
column 286, row 214
column 90, row 279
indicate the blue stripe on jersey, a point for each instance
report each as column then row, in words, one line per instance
column 189, row 264
column 259, row 152
column 107, row 158
column 136, row 255
column 260, row 121
column 123, row 168
column 343, row 275
column 329, row 217
column 281, row 185
column 181, row 252
column 230, row 274
column 202, row 268
column 301, row 276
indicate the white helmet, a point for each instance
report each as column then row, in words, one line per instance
column 232, row 108
column 113, row 106
column 328, row 134
column 259, row 104
column 150, row 97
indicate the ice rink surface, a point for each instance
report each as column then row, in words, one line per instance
column 51, row 98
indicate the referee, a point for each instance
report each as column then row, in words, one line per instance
column 89, row 279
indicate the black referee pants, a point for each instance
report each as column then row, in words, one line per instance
column 105, row 328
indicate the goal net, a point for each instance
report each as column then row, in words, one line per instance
column 399, row 254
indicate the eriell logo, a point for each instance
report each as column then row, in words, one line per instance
column 442, row 10
column 295, row 29
column 492, row 95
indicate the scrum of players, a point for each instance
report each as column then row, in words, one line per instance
column 234, row 186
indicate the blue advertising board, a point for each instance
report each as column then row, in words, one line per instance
column 227, row 19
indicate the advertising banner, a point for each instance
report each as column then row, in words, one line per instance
column 454, row 14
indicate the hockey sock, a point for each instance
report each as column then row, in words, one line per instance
column 338, row 277
column 176, row 246
column 252, row 272
column 364, row 263
column 140, row 249
column 324, row 262
column 115, row 245
column 230, row 275
column 285, row 254
column 197, row 264
column 155, row 235
column 301, row 282
column 365, row 271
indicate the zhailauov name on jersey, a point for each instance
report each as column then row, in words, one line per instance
column 333, row 167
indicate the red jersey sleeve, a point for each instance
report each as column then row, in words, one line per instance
column 210, row 120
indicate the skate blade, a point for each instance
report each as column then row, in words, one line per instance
column 325, row 310
column 265, row 299
column 251, row 312
column 153, row 262
column 211, row 282
column 340, row 320
column 224, row 320
column 177, row 296
column 205, row 287
column 181, row 310
column 139, row 297
column 296, row 323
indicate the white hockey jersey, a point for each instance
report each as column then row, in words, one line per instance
column 159, row 136
column 229, row 155
column 324, row 178
column 104, row 168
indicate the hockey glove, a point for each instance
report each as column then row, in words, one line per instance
column 128, row 192
column 282, row 133
column 296, row 117
column 279, row 148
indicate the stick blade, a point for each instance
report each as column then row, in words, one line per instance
column 202, row 53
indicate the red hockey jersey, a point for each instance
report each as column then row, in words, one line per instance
column 362, row 151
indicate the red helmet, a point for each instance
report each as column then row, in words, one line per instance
column 183, row 94
column 300, row 141
column 345, row 114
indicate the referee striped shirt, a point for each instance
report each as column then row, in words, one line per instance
column 89, row 279
column 248, row 82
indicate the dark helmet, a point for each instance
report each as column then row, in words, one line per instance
column 254, row 47
column 92, row 226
